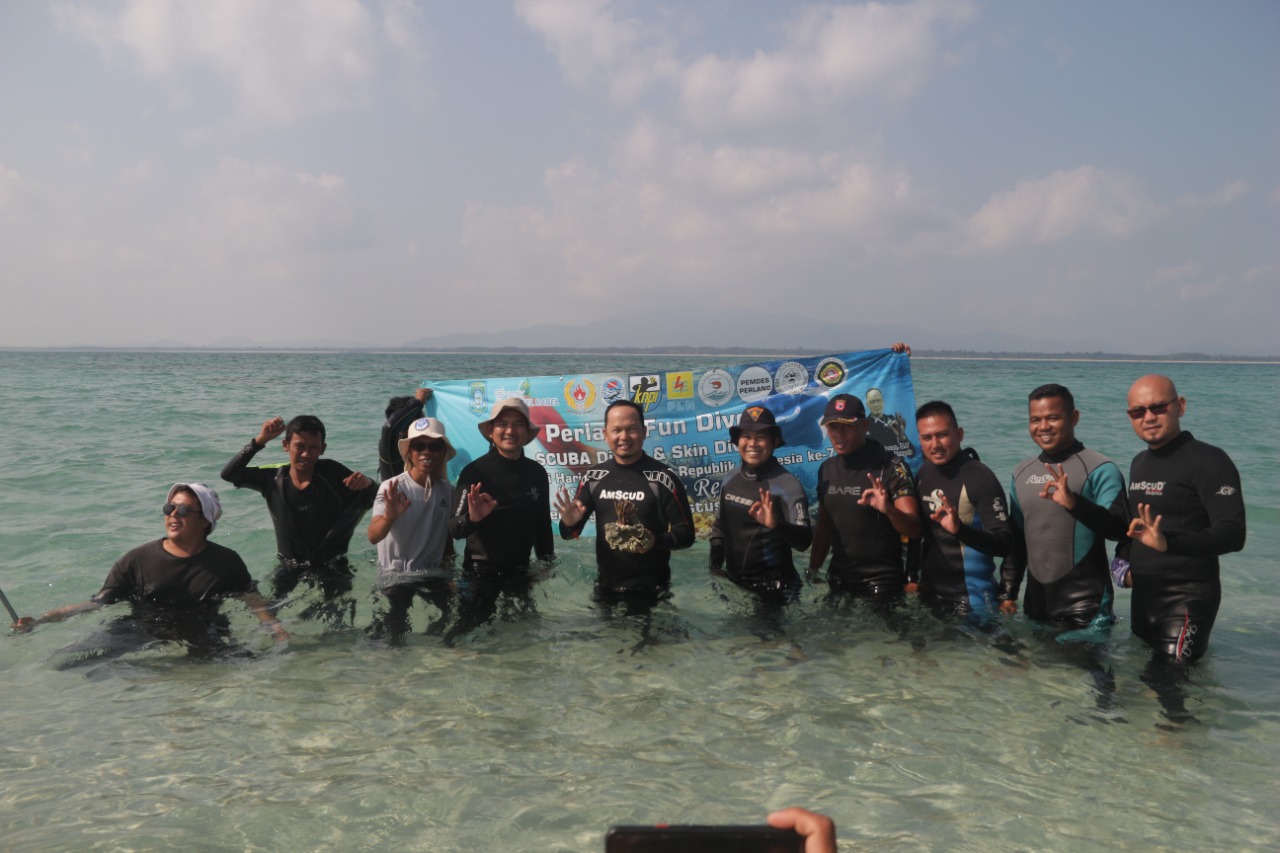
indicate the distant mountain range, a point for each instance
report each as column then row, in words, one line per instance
column 729, row 330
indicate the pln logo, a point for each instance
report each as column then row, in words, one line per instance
column 645, row 390
column 680, row 385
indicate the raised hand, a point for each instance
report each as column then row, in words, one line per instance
column 397, row 502
column 479, row 503
column 875, row 495
column 1057, row 489
column 271, row 428
column 765, row 510
column 947, row 516
column 1146, row 529
column 571, row 511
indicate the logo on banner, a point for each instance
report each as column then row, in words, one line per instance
column 645, row 390
column 477, row 393
column 612, row 390
column 754, row 384
column 580, row 394
column 831, row 372
column 791, row 378
column 715, row 388
column 680, row 385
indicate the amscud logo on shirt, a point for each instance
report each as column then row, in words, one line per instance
column 1149, row 488
column 620, row 495
column 1039, row 479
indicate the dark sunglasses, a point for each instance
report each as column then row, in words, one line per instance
column 180, row 510
column 1157, row 409
column 433, row 446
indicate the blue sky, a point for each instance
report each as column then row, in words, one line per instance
column 382, row 171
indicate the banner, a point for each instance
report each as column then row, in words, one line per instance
column 688, row 414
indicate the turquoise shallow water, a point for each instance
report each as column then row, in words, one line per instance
column 539, row 732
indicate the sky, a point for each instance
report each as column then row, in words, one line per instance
column 378, row 172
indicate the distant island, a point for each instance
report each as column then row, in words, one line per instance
column 746, row 352
column 774, row 333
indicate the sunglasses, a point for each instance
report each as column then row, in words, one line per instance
column 423, row 446
column 1157, row 409
column 180, row 510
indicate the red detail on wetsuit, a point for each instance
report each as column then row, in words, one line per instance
column 1184, row 636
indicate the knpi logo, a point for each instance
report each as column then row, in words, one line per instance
column 645, row 390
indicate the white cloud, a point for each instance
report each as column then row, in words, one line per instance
column 1064, row 204
column 258, row 211
column 141, row 172
column 829, row 55
column 13, row 193
column 403, row 27
column 682, row 218
column 282, row 60
column 592, row 42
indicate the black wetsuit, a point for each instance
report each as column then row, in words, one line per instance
column 959, row 572
column 496, row 559
column 313, row 525
column 1195, row 487
column 1069, row 583
column 173, row 599
column 390, row 463
column 661, row 506
column 750, row 554
column 866, row 549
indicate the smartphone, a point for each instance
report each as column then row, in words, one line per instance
column 702, row 839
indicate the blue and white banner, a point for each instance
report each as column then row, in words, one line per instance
column 688, row 414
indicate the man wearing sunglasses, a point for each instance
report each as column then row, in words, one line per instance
column 174, row 584
column 410, row 526
column 1185, row 510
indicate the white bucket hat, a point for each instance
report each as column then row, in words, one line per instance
column 486, row 426
column 428, row 428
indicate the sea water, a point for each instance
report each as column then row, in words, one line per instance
column 539, row 731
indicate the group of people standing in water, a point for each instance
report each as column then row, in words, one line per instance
column 880, row 533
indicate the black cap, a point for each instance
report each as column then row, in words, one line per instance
column 843, row 409
column 757, row 419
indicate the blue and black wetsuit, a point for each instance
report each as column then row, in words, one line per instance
column 1069, row 580
column 959, row 572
